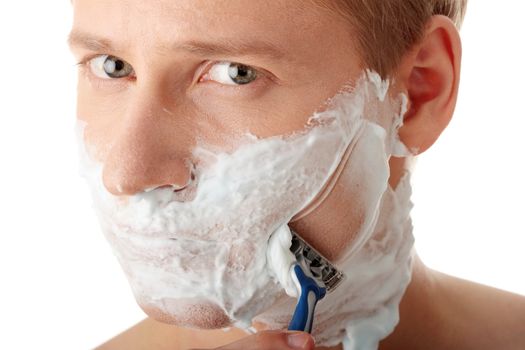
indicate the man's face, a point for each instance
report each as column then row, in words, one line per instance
column 159, row 79
column 186, row 72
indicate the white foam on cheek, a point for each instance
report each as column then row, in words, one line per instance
column 214, row 248
column 364, row 308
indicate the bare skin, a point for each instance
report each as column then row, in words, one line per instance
column 302, row 55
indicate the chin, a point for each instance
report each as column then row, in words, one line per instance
column 187, row 314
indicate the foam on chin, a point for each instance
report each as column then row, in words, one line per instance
column 213, row 247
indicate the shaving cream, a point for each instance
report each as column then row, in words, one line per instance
column 216, row 248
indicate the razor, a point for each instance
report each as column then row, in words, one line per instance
column 314, row 276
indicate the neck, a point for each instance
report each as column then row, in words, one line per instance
column 418, row 322
column 418, row 311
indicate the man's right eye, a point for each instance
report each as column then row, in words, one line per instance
column 110, row 67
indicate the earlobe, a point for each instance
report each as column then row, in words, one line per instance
column 429, row 74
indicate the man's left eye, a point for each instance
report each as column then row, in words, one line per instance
column 230, row 73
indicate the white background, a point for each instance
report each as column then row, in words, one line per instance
column 60, row 287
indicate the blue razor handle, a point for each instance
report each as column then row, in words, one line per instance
column 311, row 293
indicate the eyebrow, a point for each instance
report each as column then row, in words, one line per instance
column 219, row 47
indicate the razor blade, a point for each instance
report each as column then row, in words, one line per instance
column 314, row 277
column 318, row 266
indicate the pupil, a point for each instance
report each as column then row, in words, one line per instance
column 242, row 71
column 119, row 65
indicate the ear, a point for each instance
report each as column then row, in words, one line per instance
column 429, row 75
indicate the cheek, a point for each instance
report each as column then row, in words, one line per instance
column 101, row 115
column 327, row 228
column 340, row 223
column 279, row 111
column 360, row 190
column 235, row 116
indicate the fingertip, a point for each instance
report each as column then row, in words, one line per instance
column 300, row 340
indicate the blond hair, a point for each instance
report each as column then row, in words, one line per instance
column 387, row 29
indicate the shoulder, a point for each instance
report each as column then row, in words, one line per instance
column 439, row 311
column 485, row 317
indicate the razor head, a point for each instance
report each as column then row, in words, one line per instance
column 320, row 268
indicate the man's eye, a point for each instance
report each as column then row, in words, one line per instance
column 110, row 67
column 230, row 73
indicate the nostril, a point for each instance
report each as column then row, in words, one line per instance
column 176, row 188
column 157, row 188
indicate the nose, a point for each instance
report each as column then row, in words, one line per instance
column 148, row 150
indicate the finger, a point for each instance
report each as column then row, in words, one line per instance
column 273, row 340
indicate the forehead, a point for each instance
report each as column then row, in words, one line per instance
column 285, row 23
